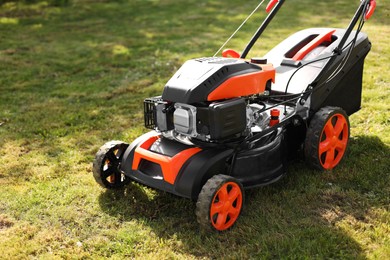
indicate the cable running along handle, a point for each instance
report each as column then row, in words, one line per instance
column 272, row 8
column 364, row 12
column 367, row 8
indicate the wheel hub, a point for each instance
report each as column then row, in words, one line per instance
column 226, row 206
column 333, row 141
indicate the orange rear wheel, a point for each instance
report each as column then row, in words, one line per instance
column 220, row 203
column 327, row 138
column 333, row 141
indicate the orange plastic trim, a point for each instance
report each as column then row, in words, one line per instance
column 244, row 85
column 271, row 5
column 226, row 206
column 370, row 10
column 170, row 166
column 232, row 53
column 327, row 36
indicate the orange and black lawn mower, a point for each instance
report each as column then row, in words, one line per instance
column 226, row 124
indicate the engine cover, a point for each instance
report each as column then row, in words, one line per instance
column 211, row 79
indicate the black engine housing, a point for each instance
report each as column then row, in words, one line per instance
column 197, row 78
column 222, row 119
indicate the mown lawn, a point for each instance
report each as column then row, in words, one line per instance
column 74, row 77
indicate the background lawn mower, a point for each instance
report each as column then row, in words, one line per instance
column 226, row 124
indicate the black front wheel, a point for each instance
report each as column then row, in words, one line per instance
column 106, row 166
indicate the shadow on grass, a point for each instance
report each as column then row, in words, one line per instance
column 301, row 215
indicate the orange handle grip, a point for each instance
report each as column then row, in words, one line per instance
column 271, row 5
column 370, row 10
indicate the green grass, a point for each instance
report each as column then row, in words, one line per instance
column 74, row 77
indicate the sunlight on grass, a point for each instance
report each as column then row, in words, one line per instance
column 36, row 26
column 120, row 50
column 6, row 20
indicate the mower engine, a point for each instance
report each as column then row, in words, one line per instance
column 208, row 99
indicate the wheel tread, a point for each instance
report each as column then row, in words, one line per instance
column 206, row 196
column 99, row 157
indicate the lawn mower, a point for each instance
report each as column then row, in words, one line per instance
column 226, row 124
